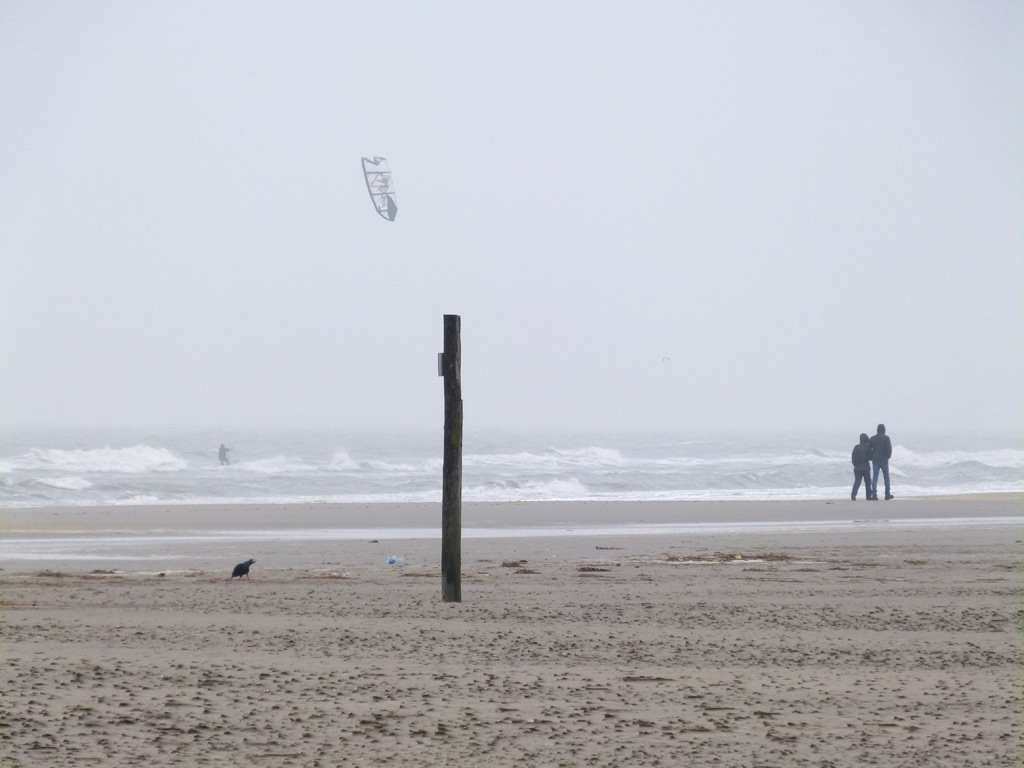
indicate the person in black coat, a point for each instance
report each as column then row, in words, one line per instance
column 881, row 452
column 861, row 458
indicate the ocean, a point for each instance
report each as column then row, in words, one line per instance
column 140, row 467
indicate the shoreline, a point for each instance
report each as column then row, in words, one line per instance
column 325, row 536
column 168, row 517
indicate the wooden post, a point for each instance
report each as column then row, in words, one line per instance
column 451, row 491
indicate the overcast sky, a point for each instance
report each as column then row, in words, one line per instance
column 686, row 215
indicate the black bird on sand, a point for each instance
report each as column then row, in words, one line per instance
column 242, row 569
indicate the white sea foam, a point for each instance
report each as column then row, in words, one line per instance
column 522, row 459
column 341, row 461
column 593, row 456
column 136, row 459
column 1008, row 458
column 590, row 456
column 138, row 500
column 65, row 483
column 405, row 467
column 559, row 489
column 275, row 465
column 182, row 468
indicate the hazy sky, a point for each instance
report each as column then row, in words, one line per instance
column 688, row 215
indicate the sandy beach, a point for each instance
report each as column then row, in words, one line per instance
column 844, row 634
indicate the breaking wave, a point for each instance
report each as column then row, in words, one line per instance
column 137, row 459
column 311, row 468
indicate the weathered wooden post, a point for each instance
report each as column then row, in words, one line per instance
column 450, row 366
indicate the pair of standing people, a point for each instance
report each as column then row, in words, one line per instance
column 876, row 450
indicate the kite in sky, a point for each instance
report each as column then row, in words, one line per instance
column 378, row 182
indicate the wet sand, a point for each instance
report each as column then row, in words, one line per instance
column 893, row 645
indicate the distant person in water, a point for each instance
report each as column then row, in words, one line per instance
column 222, row 454
column 881, row 452
column 862, row 467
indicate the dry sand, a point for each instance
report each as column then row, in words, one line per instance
column 893, row 646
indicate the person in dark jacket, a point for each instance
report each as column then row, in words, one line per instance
column 861, row 458
column 881, row 452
